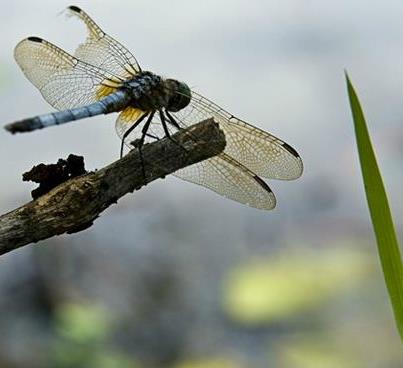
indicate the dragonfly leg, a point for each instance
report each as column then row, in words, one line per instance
column 164, row 126
column 152, row 136
column 140, row 143
column 173, row 122
column 136, row 142
column 128, row 131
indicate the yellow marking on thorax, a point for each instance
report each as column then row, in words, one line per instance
column 107, row 87
column 130, row 114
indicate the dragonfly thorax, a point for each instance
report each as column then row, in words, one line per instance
column 150, row 92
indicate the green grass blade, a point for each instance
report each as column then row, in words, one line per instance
column 388, row 244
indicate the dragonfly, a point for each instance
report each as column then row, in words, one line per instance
column 104, row 77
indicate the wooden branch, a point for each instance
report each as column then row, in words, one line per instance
column 74, row 205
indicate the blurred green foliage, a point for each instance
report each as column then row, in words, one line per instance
column 82, row 333
column 217, row 362
column 266, row 290
column 82, row 323
column 314, row 352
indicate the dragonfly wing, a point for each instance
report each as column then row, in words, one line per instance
column 227, row 177
column 103, row 51
column 222, row 173
column 64, row 81
column 261, row 152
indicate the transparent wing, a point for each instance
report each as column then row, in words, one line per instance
column 226, row 176
column 103, row 51
column 254, row 148
column 222, row 173
column 64, row 81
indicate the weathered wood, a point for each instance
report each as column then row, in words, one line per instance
column 74, row 205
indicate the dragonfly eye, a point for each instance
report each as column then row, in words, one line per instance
column 180, row 96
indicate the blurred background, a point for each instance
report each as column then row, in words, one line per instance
column 174, row 275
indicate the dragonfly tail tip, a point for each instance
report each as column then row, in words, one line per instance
column 9, row 128
column 21, row 126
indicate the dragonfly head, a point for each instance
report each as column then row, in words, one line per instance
column 179, row 95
